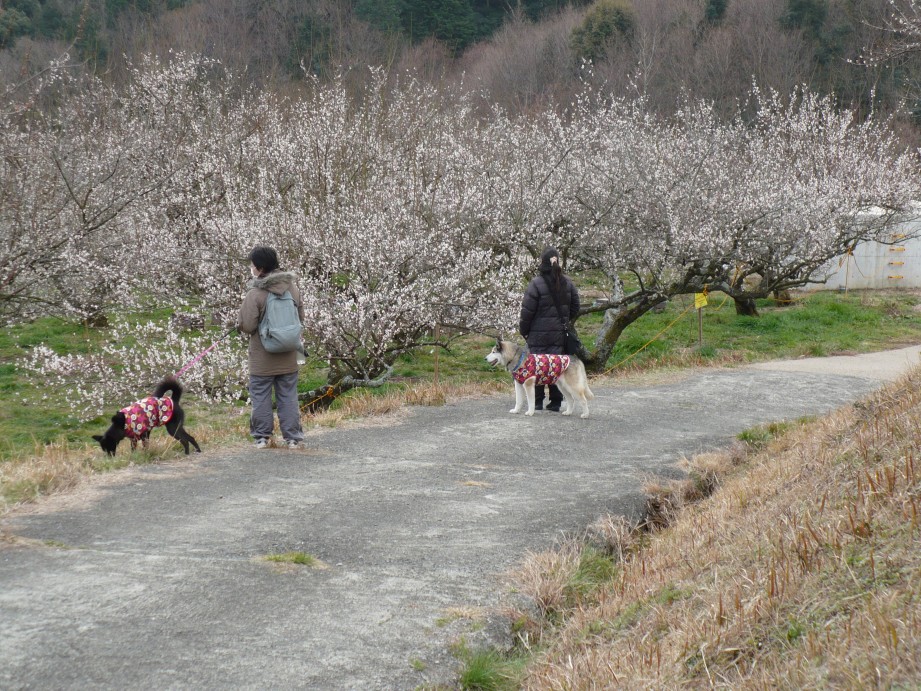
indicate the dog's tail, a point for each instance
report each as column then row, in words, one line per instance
column 588, row 392
column 169, row 384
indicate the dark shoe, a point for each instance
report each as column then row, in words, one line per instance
column 554, row 407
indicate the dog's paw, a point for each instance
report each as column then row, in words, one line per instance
column 514, row 411
column 567, row 412
column 529, row 413
column 584, row 415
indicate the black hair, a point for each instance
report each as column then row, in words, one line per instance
column 551, row 269
column 264, row 258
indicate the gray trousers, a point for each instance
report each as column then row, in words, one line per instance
column 262, row 422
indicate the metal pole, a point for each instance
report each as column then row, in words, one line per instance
column 436, row 354
column 700, row 327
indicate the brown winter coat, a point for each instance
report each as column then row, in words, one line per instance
column 261, row 362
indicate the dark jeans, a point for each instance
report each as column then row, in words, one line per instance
column 556, row 396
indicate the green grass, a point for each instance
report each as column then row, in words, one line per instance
column 596, row 570
column 21, row 426
column 300, row 558
column 490, row 670
column 762, row 435
column 817, row 324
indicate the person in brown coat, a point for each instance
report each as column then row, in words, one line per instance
column 270, row 371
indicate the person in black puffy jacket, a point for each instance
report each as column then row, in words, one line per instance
column 540, row 323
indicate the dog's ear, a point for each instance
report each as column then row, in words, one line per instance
column 108, row 444
column 498, row 343
column 118, row 418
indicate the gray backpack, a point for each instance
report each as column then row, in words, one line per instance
column 280, row 328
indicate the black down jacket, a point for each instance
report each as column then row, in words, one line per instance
column 539, row 322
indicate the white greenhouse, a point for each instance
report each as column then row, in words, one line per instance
column 879, row 265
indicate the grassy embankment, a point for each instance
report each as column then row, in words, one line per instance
column 43, row 448
column 790, row 560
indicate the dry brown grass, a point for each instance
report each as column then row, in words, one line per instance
column 703, row 473
column 48, row 469
column 365, row 404
column 802, row 570
column 544, row 576
column 53, row 468
column 616, row 534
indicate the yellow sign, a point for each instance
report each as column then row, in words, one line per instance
column 700, row 300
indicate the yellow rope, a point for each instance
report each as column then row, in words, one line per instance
column 629, row 357
column 328, row 392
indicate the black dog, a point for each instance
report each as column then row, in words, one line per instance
column 135, row 422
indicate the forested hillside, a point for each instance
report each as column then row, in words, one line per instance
column 521, row 56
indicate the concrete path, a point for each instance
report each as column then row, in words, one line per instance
column 888, row 365
column 155, row 577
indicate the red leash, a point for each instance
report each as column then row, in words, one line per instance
column 198, row 358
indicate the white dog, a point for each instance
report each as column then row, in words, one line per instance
column 528, row 369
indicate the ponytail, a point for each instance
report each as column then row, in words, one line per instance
column 550, row 268
column 556, row 275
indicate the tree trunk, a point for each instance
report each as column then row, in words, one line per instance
column 783, row 297
column 96, row 320
column 615, row 321
column 320, row 399
column 745, row 307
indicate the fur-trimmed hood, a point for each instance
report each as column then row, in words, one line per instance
column 276, row 282
column 261, row 362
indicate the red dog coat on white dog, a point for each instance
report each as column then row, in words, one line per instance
column 547, row 367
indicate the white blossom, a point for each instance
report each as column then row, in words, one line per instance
column 399, row 209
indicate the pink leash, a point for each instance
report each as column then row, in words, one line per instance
column 198, row 358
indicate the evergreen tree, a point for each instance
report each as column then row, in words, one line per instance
column 451, row 21
column 808, row 15
column 605, row 22
column 381, row 14
column 715, row 11
column 312, row 48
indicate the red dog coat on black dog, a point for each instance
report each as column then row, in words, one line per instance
column 142, row 416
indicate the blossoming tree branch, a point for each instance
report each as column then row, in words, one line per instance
column 402, row 209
